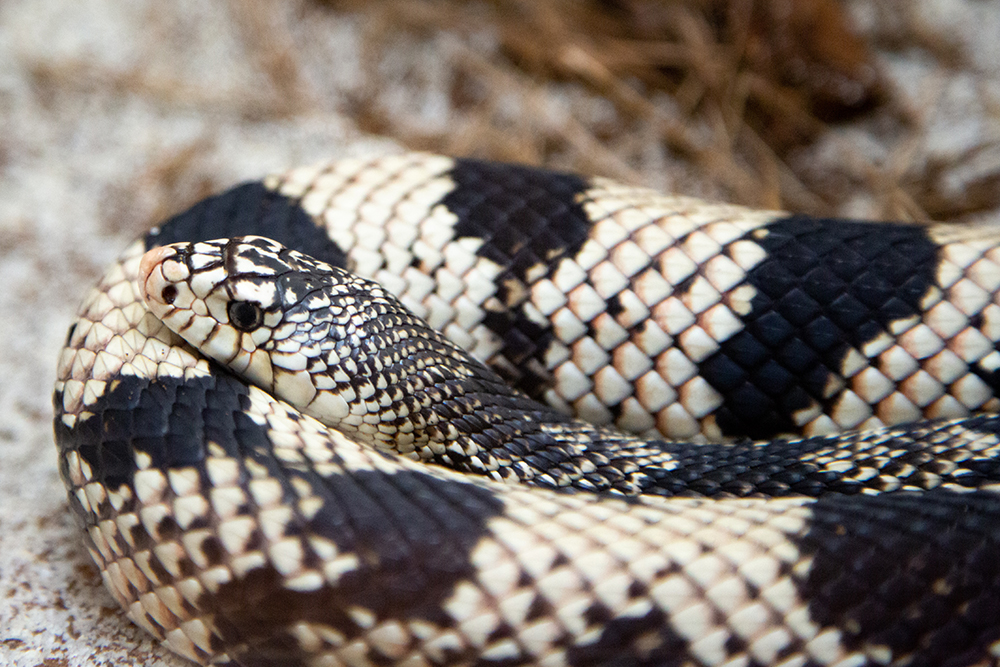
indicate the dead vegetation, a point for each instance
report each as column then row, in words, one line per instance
column 746, row 80
column 724, row 98
column 735, row 89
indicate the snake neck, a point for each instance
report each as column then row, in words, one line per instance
column 437, row 403
column 414, row 392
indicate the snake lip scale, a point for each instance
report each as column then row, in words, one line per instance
column 375, row 496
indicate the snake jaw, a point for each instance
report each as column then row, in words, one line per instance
column 186, row 287
column 193, row 287
column 166, row 291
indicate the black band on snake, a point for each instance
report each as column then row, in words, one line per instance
column 283, row 455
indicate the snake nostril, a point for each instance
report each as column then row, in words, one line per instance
column 168, row 294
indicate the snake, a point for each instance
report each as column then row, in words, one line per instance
column 418, row 410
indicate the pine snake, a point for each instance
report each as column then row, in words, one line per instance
column 235, row 528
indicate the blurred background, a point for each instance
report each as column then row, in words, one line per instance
column 114, row 115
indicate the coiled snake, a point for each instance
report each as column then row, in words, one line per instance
column 236, row 528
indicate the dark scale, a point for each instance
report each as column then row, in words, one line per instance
column 250, row 209
column 412, row 534
column 526, row 217
column 166, row 419
column 826, row 285
column 942, row 570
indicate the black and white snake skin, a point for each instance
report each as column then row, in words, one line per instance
column 235, row 528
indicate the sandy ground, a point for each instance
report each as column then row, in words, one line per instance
column 114, row 114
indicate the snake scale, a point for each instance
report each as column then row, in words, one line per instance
column 475, row 524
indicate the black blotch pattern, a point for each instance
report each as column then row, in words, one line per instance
column 918, row 574
column 168, row 419
column 631, row 641
column 825, row 286
column 250, row 209
column 934, row 555
column 526, row 217
column 412, row 534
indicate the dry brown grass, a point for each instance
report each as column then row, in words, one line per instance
column 713, row 97
column 749, row 82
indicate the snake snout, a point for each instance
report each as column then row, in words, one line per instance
column 149, row 264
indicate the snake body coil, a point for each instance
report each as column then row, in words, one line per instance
column 234, row 527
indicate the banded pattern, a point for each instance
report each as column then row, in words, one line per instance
column 235, row 528
column 668, row 314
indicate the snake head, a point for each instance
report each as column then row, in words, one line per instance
column 290, row 324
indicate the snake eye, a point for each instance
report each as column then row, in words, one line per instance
column 245, row 316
